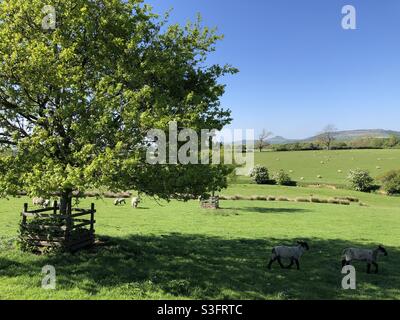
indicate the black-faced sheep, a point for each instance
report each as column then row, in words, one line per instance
column 119, row 201
column 292, row 253
column 369, row 256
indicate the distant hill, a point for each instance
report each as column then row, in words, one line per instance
column 280, row 140
column 347, row 135
column 350, row 135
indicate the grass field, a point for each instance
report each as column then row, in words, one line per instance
column 311, row 164
column 179, row 251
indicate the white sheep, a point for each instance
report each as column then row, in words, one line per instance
column 292, row 253
column 119, row 201
column 46, row 203
column 37, row 201
column 369, row 256
column 135, row 202
column 41, row 202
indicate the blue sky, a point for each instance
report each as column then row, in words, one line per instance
column 299, row 70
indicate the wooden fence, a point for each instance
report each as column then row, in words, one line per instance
column 48, row 228
column 211, row 203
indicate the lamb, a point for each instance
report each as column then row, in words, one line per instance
column 292, row 253
column 37, row 201
column 40, row 202
column 369, row 256
column 135, row 202
column 119, row 201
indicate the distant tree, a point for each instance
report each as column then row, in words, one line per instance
column 327, row 137
column 360, row 180
column 283, row 179
column 260, row 174
column 391, row 182
column 393, row 141
column 262, row 141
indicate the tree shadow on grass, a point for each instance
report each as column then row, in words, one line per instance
column 272, row 210
column 201, row 267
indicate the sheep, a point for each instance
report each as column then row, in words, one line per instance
column 292, row 253
column 46, row 203
column 119, row 201
column 41, row 202
column 37, row 201
column 135, row 202
column 369, row 256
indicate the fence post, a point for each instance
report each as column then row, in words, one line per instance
column 23, row 214
column 92, row 211
column 55, row 207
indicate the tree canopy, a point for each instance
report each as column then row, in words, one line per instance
column 77, row 101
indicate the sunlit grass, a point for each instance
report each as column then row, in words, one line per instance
column 332, row 166
column 179, row 251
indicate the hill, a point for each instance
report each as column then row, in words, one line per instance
column 357, row 134
column 347, row 135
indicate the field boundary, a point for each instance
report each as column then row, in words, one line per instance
column 333, row 200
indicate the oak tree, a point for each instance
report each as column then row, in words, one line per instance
column 77, row 100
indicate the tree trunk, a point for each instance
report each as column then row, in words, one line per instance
column 66, row 203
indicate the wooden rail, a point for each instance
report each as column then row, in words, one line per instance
column 47, row 227
column 211, row 203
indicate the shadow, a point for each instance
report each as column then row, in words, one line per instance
column 269, row 210
column 200, row 267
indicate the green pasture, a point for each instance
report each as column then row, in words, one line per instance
column 178, row 251
column 333, row 166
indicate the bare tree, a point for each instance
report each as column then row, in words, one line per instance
column 262, row 141
column 327, row 137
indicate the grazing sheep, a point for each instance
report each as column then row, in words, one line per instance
column 135, row 202
column 119, row 201
column 292, row 253
column 41, row 202
column 369, row 256
column 37, row 201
